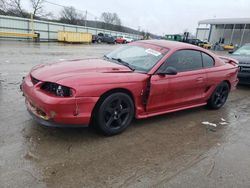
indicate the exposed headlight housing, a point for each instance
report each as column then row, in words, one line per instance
column 58, row 90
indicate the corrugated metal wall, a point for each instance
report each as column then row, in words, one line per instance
column 48, row 30
column 202, row 34
column 238, row 36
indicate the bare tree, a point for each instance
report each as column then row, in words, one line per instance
column 2, row 4
column 13, row 7
column 70, row 15
column 37, row 7
column 111, row 18
column 2, row 7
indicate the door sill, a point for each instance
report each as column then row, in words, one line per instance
column 146, row 115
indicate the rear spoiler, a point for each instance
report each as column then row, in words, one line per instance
column 229, row 60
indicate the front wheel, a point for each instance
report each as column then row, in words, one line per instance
column 219, row 97
column 114, row 114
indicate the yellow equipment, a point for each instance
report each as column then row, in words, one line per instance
column 228, row 47
column 15, row 34
column 74, row 37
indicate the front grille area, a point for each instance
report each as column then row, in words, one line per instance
column 34, row 80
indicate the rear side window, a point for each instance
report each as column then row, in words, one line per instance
column 208, row 61
column 184, row 60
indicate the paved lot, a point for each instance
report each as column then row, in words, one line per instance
column 174, row 150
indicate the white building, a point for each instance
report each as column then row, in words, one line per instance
column 231, row 30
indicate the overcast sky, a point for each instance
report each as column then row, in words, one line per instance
column 158, row 16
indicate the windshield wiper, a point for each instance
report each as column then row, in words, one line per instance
column 106, row 57
column 123, row 63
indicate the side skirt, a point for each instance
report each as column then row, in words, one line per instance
column 146, row 115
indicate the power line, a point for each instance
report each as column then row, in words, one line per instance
column 83, row 11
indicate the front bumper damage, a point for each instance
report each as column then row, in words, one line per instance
column 56, row 111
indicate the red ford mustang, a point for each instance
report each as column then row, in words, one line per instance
column 142, row 79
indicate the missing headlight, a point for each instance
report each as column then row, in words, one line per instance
column 58, row 90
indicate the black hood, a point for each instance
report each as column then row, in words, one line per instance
column 243, row 60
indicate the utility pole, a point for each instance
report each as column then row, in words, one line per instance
column 86, row 14
column 95, row 22
column 32, row 22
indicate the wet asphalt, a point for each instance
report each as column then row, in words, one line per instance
column 174, row 150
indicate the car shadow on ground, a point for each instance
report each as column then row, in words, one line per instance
column 189, row 116
column 138, row 125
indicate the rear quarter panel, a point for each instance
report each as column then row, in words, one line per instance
column 223, row 71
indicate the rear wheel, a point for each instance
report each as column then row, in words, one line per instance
column 219, row 97
column 114, row 114
column 99, row 41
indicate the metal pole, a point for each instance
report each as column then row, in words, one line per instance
column 48, row 32
column 210, row 32
column 232, row 34
column 32, row 23
column 242, row 37
column 223, row 34
column 86, row 14
column 197, row 30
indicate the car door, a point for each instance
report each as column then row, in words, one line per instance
column 105, row 38
column 213, row 73
column 169, row 92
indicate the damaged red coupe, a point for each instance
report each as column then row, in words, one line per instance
column 139, row 80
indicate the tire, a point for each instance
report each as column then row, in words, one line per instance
column 114, row 114
column 219, row 96
column 124, row 42
column 99, row 41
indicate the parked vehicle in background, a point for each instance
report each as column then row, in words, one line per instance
column 196, row 42
column 174, row 37
column 128, row 39
column 243, row 56
column 96, row 39
column 120, row 40
column 107, row 38
column 206, row 45
column 123, row 40
column 228, row 46
column 185, row 38
column 139, row 80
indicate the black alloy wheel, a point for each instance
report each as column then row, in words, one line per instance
column 219, row 97
column 115, row 113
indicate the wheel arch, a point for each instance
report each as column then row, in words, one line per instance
column 109, row 92
column 228, row 82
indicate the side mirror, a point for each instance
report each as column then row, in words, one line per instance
column 168, row 71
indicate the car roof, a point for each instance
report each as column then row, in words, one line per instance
column 169, row 44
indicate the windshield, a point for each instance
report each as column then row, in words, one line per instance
column 244, row 50
column 139, row 58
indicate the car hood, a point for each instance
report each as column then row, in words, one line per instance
column 87, row 71
column 243, row 60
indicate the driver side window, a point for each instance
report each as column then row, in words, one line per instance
column 184, row 60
